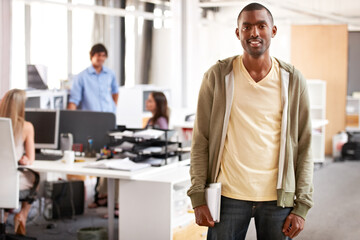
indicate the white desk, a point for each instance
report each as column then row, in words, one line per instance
column 154, row 213
column 129, row 195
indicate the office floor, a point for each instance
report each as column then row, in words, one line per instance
column 336, row 212
column 335, row 215
column 67, row 228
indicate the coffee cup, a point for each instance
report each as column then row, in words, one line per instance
column 69, row 156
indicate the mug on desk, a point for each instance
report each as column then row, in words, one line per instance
column 66, row 141
column 69, row 157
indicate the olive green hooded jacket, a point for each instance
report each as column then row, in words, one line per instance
column 295, row 175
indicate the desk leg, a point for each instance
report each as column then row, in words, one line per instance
column 111, row 206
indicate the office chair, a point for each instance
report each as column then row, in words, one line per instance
column 9, row 177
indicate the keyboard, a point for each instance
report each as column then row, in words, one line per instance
column 49, row 157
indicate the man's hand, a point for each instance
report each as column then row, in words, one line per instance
column 71, row 106
column 293, row 225
column 203, row 216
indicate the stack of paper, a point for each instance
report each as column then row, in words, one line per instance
column 213, row 200
column 124, row 164
column 155, row 161
column 120, row 135
column 125, row 146
column 150, row 150
column 149, row 134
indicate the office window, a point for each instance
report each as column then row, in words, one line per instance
column 130, row 51
column 168, row 21
column 158, row 21
column 82, row 30
column 49, row 40
column 48, row 43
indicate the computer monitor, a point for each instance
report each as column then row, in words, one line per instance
column 33, row 102
column 46, row 125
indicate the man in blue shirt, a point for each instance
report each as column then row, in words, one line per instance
column 95, row 88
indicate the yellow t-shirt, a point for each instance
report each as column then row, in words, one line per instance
column 249, row 165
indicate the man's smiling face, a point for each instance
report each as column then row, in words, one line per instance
column 255, row 30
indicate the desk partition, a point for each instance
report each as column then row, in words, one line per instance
column 86, row 124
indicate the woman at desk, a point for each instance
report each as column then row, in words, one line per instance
column 12, row 106
column 157, row 105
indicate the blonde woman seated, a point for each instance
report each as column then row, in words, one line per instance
column 157, row 105
column 12, row 106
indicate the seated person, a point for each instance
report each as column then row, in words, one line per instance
column 12, row 106
column 157, row 105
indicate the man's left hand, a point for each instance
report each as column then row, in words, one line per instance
column 293, row 225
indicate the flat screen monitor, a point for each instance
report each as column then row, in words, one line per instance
column 46, row 125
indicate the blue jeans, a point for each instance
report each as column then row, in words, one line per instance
column 235, row 216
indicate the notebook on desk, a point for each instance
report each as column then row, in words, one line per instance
column 124, row 164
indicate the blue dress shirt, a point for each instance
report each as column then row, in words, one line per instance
column 94, row 91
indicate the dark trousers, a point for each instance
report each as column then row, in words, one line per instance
column 235, row 216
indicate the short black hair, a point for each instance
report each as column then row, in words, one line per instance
column 98, row 48
column 253, row 7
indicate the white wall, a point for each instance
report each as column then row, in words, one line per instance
column 161, row 65
column 281, row 43
column 211, row 40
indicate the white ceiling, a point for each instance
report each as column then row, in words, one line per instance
column 301, row 12
column 288, row 11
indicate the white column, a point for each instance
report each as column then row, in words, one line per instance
column 137, row 46
column 176, row 76
column 27, row 34
column 186, row 19
column 192, row 77
column 69, row 42
column 114, row 64
column 5, row 45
